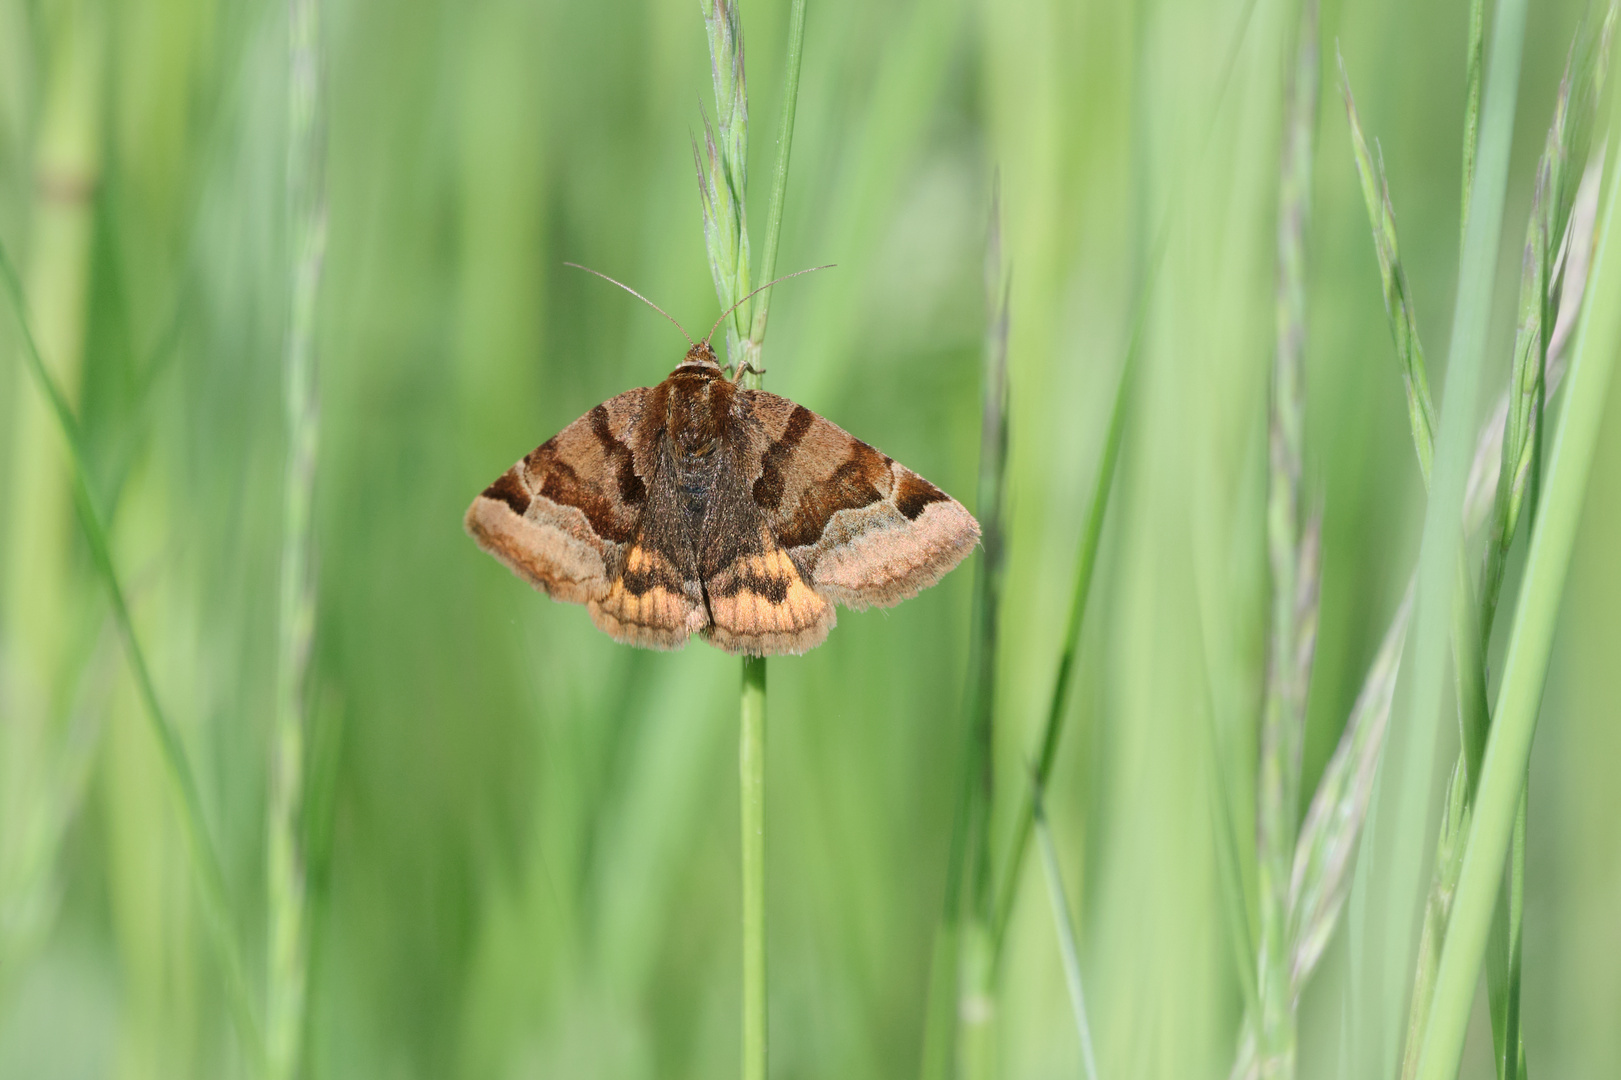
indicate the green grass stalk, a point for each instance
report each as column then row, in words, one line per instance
column 44, row 638
column 1007, row 880
column 977, row 997
column 779, row 177
column 199, row 845
column 1401, row 862
column 751, row 770
column 1474, row 67
column 1526, row 661
column 287, row 901
column 1069, row 953
column 1471, row 634
column 723, row 185
column 959, row 1007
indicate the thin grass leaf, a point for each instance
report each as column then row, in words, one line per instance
column 1474, row 68
column 1526, row 662
column 1007, row 881
column 31, row 885
column 1478, row 502
column 1069, row 953
column 1235, row 902
column 1569, row 139
column 977, row 992
column 779, row 179
column 1548, row 232
column 199, row 845
column 1403, row 809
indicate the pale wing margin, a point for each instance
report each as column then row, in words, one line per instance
column 562, row 516
column 863, row 529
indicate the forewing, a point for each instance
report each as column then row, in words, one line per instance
column 861, row 528
column 563, row 517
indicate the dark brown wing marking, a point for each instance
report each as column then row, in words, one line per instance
column 656, row 600
column 560, row 518
column 759, row 603
column 913, row 493
column 861, row 528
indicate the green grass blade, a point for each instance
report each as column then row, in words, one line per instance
column 1069, row 953
column 205, row 861
column 976, row 989
column 723, row 185
column 1474, row 65
column 1007, row 882
column 968, row 859
column 751, row 770
column 1526, row 662
column 779, row 178
column 1408, row 791
column 1236, row 903
column 1085, row 564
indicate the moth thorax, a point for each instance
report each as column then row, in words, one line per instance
column 697, row 413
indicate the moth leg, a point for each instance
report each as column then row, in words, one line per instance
column 744, row 368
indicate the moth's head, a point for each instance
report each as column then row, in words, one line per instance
column 701, row 355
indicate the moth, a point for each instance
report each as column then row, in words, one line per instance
column 699, row 506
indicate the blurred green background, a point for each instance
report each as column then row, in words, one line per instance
column 522, row 837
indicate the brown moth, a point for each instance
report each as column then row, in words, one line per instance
column 699, row 506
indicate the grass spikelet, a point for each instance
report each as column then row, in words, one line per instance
column 287, row 900
column 1324, row 855
column 1398, row 305
column 1525, row 666
column 723, row 169
column 1291, row 557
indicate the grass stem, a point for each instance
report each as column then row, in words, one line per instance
column 751, row 771
column 287, row 902
column 1525, row 665
column 1007, row 881
column 723, row 185
column 1406, row 798
column 204, row 859
column 1069, row 952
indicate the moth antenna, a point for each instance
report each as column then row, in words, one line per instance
column 746, row 299
column 644, row 299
